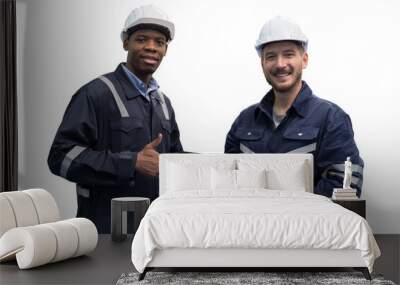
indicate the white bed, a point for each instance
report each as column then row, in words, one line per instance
column 231, row 211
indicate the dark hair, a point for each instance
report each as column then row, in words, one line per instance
column 158, row 28
column 300, row 45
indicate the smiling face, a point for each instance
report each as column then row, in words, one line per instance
column 146, row 49
column 282, row 63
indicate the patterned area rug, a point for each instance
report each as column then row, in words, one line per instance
column 244, row 278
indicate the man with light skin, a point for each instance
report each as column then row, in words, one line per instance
column 115, row 126
column 290, row 118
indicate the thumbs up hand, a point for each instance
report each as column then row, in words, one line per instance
column 148, row 158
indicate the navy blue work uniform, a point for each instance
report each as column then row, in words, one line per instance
column 104, row 127
column 312, row 125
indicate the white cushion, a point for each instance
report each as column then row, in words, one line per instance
column 27, row 208
column 7, row 220
column 223, row 179
column 87, row 233
column 32, row 246
column 40, row 244
column 292, row 175
column 169, row 177
column 251, row 178
column 67, row 238
column 194, row 173
column 23, row 208
column 279, row 180
column 45, row 205
column 231, row 180
column 188, row 177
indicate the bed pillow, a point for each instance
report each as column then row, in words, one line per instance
column 223, row 179
column 279, row 180
column 251, row 178
column 282, row 174
column 227, row 179
column 188, row 177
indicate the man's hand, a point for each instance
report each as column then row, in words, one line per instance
column 147, row 159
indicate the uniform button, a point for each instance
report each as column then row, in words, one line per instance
column 300, row 134
column 249, row 133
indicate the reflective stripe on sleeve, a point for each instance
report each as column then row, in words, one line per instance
column 69, row 157
column 339, row 168
column 82, row 191
column 118, row 101
column 304, row 149
column 354, row 180
column 354, row 168
column 163, row 104
column 245, row 149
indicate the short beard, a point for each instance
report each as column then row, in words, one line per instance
column 284, row 89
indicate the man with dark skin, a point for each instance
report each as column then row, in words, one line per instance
column 115, row 126
column 146, row 49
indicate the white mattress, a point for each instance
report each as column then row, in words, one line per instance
column 252, row 218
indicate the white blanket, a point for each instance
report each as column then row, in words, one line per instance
column 253, row 218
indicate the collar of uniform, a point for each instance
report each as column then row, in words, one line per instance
column 139, row 84
column 130, row 90
column 267, row 102
column 300, row 103
column 155, row 95
column 123, row 79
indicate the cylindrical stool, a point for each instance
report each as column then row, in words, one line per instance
column 119, row 209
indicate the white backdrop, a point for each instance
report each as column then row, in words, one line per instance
column 212, row 72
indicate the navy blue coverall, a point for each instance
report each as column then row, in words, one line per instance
column 104, row 127
column 312, row 125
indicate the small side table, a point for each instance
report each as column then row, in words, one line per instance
column 357, row 206
column 119, row 209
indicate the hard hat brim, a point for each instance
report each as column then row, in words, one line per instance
column 260, row 46
column 163, row 26
column 158, row 28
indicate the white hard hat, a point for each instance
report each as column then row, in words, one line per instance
column 280, row 29
column 148, row 16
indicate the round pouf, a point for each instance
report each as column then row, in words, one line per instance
column 119, row 209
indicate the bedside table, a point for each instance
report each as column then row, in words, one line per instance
column 357, row 206
column 119, row 209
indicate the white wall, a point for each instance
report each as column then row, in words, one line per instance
column 212, row 71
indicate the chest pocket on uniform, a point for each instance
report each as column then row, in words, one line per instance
column 128, row 133
column 250, row 140
column 166, row 125
column 301, row 140
column 166, row 132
